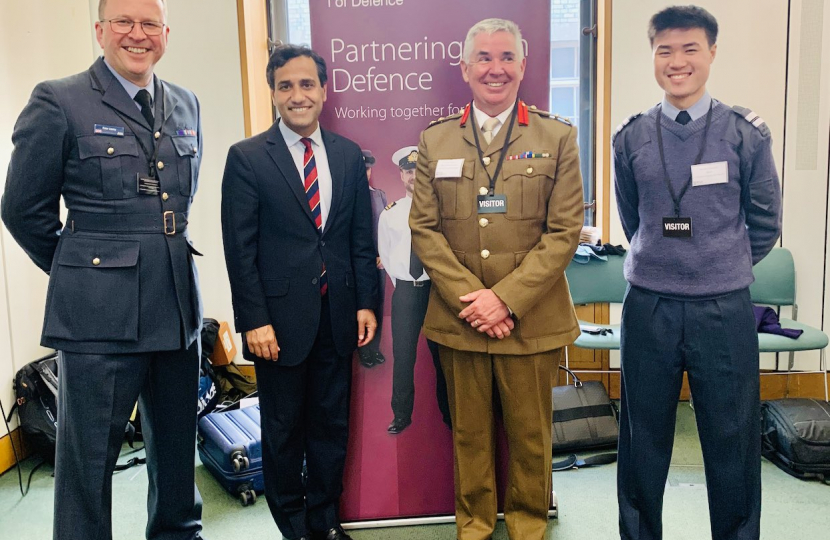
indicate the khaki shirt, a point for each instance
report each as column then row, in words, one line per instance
column 521, row 254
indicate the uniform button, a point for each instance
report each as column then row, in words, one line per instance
column 195, row 149
column 482, row 190
column 160, row 165
column 96, row 261
column 157, row 134
column 110, row 150
column 486, row 160
column 164, row 196
column 533, row 107
column 530, row 170
column 484, row 222
column 314, row 281
column 485, row 253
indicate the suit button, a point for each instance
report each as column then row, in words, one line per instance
column 96, row 261
column 484, row 222
column 160, row 165
column 482, row 190
column 485, row 253
column 110, row 150
column 486, row 160
column 530, row 170
column 323, row 243
column 164, row 196
column 157, row 134
column 314, row 281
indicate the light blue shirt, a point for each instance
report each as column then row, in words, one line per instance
column 132, row 88
column 696, row 111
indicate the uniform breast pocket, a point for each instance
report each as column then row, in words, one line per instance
column 187, row 149
column 109, row 165
column 93, row 291
column 456, row 195
column 528, row 184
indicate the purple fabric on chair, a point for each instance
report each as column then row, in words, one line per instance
column 766, row 321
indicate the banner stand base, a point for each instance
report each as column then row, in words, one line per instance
column 431, row 520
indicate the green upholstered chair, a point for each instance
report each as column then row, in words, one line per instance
column 598, row 282
column 775, row 286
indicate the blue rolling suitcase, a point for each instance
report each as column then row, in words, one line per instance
column 230, row 447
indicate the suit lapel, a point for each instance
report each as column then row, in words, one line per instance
column 278, row 151
column 337, row 168
column 115, row 96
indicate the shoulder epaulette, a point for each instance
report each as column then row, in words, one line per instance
column 752, row 118
column 390, row 205
column 446, row 118
column 548, row 114
column 625, row 122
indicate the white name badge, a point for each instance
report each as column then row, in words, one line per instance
column 449, row 168
column 707, row 174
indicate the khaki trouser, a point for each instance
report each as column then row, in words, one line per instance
column 524, row 385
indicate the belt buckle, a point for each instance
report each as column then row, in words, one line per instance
column 167, row 229
column 417, row 283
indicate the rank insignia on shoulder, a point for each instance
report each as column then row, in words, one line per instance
column 752, row 118
column 445, row 118
column 390, row 205
column 561, row 119
column 624, row 124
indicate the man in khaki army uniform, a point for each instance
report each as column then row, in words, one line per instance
column 495, row 219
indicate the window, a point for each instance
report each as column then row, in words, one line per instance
column 572, row 67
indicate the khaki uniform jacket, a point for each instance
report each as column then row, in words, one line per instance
column 527, row 248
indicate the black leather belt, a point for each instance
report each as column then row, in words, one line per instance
column 169, row 223
column 412, row 283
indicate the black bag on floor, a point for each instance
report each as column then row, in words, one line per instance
column 36, row 394
column 796, row 436
column 584, row 418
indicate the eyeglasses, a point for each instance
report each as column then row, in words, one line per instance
column 125, row 26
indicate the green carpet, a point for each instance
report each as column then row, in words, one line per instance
column 792, row 509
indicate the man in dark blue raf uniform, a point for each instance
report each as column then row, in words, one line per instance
column 700, row 203
column 123, row 307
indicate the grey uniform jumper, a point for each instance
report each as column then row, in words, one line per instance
column 688, row 309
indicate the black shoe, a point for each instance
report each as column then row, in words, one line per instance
column 367, row 359
column 398, row 425
column 379, row 358
column 336, row 533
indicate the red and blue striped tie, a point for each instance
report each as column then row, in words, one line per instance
column 312, row 193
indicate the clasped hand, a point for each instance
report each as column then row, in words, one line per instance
column 487, row 313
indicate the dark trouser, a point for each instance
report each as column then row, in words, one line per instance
column 305, row 411
column 715, row 342
column 374, row 345
column 95, row 399
column 409, row 307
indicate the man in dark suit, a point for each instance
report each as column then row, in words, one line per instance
column 370, row 355
column 297, row 229
column 123, row 147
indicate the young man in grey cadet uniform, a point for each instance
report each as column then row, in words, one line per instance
column 123, row 308
column 700, row 203
column 370, row 354
column 410, row 299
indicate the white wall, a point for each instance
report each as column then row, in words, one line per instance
column 750, row 70
column 48, row 39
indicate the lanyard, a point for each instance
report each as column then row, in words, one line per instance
column 151, row 159
column 503, row 148
column 674, row 197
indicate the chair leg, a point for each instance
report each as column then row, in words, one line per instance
column 823, row 362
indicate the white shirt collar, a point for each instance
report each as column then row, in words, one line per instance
column 292, row 137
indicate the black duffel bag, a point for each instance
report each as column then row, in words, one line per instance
column 796, row 436
column 584, row 418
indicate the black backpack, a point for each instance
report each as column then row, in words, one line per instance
column 795, row 434
column 36, row 391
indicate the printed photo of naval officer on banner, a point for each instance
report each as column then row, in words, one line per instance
column 386, row 85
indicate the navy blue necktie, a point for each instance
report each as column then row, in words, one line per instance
column 683, row 118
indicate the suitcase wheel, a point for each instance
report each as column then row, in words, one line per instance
column 239, row 461
column 247, row 497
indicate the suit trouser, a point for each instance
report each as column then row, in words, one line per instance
column 97, row 393
column 305, row 411
column 524, row 386
column 715, row 342
column 374, row 345
column 409, row 307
